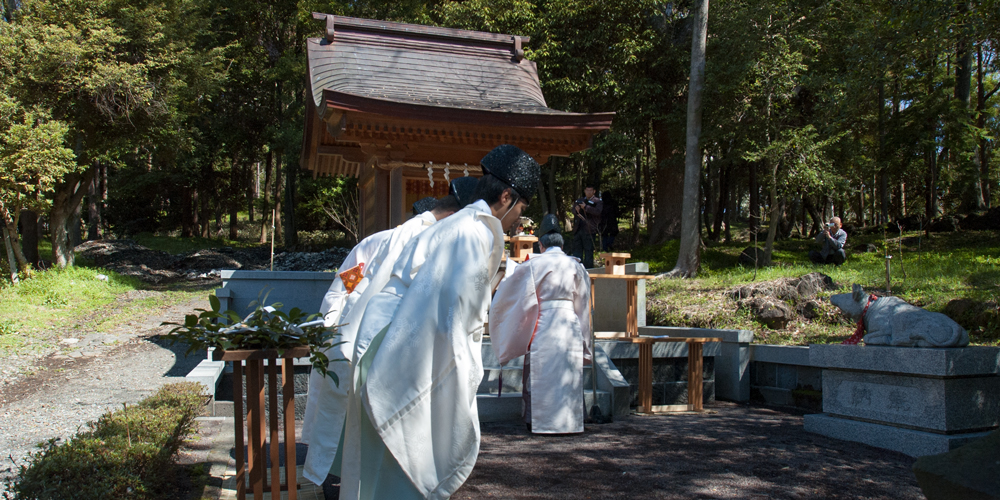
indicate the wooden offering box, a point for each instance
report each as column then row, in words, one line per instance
column 521, row 246
column 614, row 263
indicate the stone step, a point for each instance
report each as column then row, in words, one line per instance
column 509, row 405
column 512, row 379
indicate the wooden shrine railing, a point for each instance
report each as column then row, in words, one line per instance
column 261, row 432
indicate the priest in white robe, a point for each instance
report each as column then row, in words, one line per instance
column 326, row 403
column 542, row 311
column 412, row 429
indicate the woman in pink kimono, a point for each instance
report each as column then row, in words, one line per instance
column 542, row 311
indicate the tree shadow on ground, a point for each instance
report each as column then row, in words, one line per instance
column 740, row 452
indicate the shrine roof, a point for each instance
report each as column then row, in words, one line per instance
column 428, row 71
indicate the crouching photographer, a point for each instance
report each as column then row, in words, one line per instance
column 833, row 239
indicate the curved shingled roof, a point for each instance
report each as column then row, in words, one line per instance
column 424, row 65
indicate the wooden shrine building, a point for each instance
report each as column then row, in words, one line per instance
column 402, row 106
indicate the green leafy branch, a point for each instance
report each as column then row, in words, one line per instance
column 265, row 328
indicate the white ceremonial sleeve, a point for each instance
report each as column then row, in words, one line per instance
column 581, row 303
column 514, row 314
column 420, row 393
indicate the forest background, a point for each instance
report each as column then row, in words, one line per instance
column 120, row 117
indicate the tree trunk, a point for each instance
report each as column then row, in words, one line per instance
column 68, row 195
column 689, row 256
column 669, row 187
column 74, row 225
column 706, row 201
column 772, row 225
column 29, row 237
column 234, row 200
column 817, row 220
column 266, row 211
column 10, row 254
column 883, row 168
column 291, row 232
column 278, row 228
column 982, row 180
column 94, row 206
column 754, row 203
column 647, row 181
column 187, row 216
column 9, row 221
column 723, row 204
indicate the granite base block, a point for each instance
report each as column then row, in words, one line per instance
column 907, row 441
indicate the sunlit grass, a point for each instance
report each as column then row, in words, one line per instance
column 926, row 272
column 54, row 299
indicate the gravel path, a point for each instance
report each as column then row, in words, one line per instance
column 73, row 387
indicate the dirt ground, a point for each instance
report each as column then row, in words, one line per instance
column 739, row 452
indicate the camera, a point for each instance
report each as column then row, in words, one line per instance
column 829, row 224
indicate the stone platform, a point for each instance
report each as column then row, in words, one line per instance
column 918, row 401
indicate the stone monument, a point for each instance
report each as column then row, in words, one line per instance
column 892, row 321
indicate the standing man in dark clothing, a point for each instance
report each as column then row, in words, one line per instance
column 833, row 239
column 588, row 214
column 608, row 226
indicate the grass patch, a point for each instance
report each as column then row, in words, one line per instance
column 128, row 453
column 925, row 272
column 176, row 245
column 55, row 298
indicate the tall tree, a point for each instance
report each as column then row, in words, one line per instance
column 689, row 257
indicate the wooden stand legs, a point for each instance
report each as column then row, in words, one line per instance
column 694, row 375
column 258, row 427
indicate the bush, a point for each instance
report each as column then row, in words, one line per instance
column 128, row 453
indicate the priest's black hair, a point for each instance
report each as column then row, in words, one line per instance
column 447, row 204
column 551, row 240
column 424, row 204
column 490, row 189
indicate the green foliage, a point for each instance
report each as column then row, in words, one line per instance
column 128, row 453
column 958, row 266
column 55, row 298
column 265, row 328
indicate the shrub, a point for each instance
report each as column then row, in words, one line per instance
column 127, row 453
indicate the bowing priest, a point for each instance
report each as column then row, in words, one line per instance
column 542, row 311
column 326, row 403
column 412, row 427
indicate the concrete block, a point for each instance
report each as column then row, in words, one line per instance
column 207, row 373
column 776, row 396
column 933, row 404
column 496, row 409
column 787, row 376
column 301, row 289
column 927, row 361
column 491, row 380
column 732, row 363
column 809, row 378
column 914, row 443
column 610, row 312
column 781, row 354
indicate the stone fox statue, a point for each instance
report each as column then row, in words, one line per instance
column 891, row 321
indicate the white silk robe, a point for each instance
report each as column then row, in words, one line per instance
column 326, row 404
column 412, row 428
column 543, row 309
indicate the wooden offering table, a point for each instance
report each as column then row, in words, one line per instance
column 257, row 428
column 631, row 300
column 695, row 365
